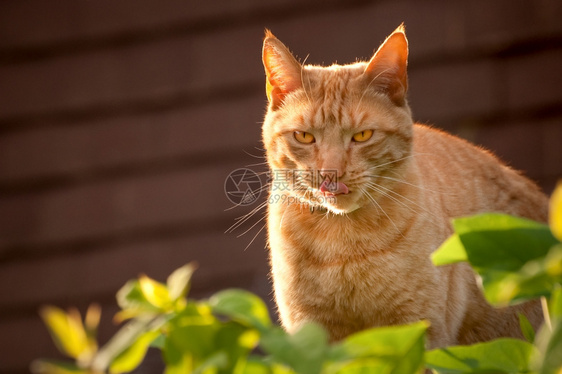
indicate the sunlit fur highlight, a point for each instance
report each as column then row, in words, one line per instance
column 364, row 260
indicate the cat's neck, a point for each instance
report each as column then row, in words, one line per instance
column 328, row 239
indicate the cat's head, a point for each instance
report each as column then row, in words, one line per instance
column 332, row 132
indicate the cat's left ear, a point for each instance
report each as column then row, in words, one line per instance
column 282, row 70
column 386, row 70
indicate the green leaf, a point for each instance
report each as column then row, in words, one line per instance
column 502, row 242
column 218, row 360
column 131, row 358
column 534, row 279
column 177, row 362
column 196, row 338
column 367, row 366
column 67, row 331
column 498, row 356
column 393, row 349
column 133, row 302
column 252, row 365
column 281, row 369
column 450, row 252
column 179, row 281
column 261, row 365
column 236, row 341
column 123, row 339
column 242, row 306
column 304, row 351
column 555, row 304
column 159, row 342
column 553, row 263
column 555, row 213
column 512, row 255
column 155, row 293
column 526, row 328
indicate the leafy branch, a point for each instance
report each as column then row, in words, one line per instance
column 232, row 332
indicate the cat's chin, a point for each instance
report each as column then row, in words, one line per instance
column 342, row 211
column 341, row 204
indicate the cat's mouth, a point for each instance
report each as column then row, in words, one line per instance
column 333, row 188
column 337, row 197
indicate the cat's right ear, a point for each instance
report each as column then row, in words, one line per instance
column 283, row 72
column 387, row 68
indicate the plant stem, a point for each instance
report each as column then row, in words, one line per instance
column 546, row 314
column 122, row 340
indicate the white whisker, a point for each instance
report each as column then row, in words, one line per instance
column 282, row 217
column 254, row 156
column 257, row 164
column 410, row 184
column 382, row 210
column 397, row 160
column 308, row 79
column 241, row 220
column 382, row 192
column 254, row 238
column 254, row 225
column 380, row 189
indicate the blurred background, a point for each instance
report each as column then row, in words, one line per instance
column 120, row 120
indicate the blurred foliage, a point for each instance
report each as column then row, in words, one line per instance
column 232, row 332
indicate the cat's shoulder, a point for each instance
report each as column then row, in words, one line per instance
column 428, row 139
column 427, row 136
column 426, row 132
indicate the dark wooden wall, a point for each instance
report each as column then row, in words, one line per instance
column 120, row 120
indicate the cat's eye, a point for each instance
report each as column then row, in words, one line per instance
column 304, row 137
column 363, row 136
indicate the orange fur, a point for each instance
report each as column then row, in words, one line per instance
column 363, row 259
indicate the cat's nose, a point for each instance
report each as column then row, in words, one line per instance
column 331, row 174
column 332, row 165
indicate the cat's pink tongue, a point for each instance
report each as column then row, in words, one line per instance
column 333, row 188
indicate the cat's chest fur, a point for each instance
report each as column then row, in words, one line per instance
column 354, row 275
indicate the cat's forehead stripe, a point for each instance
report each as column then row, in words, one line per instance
column 330, row 94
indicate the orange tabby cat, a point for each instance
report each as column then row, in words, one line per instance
column 354, row 251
